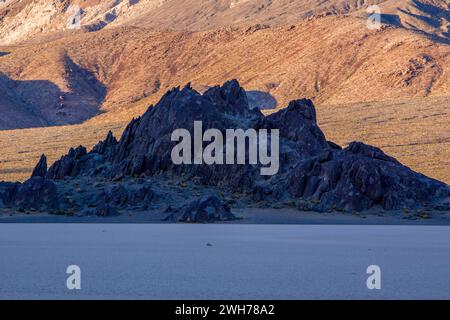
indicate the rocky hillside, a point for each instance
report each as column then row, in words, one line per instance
column 133, row 172
column 109, row 61
column 121, row 71
column 27, row 19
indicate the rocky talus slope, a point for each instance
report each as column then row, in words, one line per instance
column 136, row 172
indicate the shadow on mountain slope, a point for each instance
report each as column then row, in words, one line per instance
column 36, row 103
column 14, row 108
column 433, row 10
column 391, row 19
column 432, row 16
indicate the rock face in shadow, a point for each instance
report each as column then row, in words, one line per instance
column 314, row 173
column 68, row 165
column 7, row 190
column 205, row 210
column 41, row 168
column 360, row 177
column 37, row 193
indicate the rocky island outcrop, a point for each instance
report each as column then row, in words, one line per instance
column 136, row 172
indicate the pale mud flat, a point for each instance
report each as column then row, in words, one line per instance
column 174, row 261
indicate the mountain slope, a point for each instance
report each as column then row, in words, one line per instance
column 30, row 19
column 114, row 70
column 49, row 89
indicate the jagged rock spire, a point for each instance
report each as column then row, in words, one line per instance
column 231, row 97
column 102, row 146
column 41, row 168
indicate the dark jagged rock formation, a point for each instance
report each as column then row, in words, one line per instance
column 7, row 191
column 103, row 146
column 298, row 124
column 360, row 177
column 68, row 165
column 41, row 168
column 316, row 174
column 37, row 193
